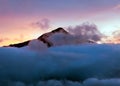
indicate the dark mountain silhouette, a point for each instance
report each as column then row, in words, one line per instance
column 20, row 44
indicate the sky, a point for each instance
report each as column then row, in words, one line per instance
column 22, row 20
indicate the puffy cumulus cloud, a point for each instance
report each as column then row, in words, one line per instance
column 59, row 39
column 20, row 67
column 86, row 31
column 42, row 24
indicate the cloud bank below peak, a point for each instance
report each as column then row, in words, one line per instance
column 73, row 62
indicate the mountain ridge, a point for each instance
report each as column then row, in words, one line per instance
column 55, row 37
column 40, row 38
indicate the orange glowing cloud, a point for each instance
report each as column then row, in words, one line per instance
column 114, row 38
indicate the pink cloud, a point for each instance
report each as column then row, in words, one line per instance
column 42, row 24
column 117, row 7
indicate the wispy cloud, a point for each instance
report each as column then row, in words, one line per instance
column 42, row 24
column 114, row 38
column 117, row 7
column 4, row 39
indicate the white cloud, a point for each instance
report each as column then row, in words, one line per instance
column 86, row 31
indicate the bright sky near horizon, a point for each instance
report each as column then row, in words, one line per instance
column 21, row 20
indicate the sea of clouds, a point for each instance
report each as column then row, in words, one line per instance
column 69, row 65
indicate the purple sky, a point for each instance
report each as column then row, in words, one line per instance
column 25, row 19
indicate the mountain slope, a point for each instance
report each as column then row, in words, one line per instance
column 42, row 38
column 56, row 37
column 45, row 37
column 20, row 44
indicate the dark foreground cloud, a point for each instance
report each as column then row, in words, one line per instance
column 77, row 63
column 86, row 31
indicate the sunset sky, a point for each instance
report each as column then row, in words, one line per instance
column 21, row 20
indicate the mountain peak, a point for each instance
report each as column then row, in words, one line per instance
column 60, row 29
column 55, row 37
column 44, row 37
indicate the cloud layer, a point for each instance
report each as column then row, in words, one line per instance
column 76, row 63
column 88, row 82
